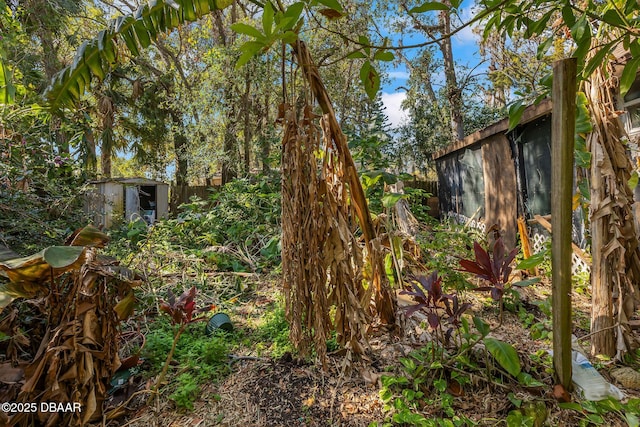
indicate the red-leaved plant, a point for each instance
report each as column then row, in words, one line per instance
column 183, row 309
column 182, row 312
column 427, row 292
column 494, row 269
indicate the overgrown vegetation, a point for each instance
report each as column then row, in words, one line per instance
column 39, row 199
column 161, row 91
column 236, row 229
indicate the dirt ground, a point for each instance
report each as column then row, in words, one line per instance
column 289, row 392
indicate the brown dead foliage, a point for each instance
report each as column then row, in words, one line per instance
column 324, row 265
column 615, row 250
column 72, row 350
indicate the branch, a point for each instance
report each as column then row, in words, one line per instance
column 166, row 52
column 479, row 17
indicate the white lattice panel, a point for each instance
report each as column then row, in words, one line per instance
column 461, row 219
column 578, row 265
column 538, row 242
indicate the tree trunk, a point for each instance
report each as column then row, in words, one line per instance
column 246, row 105
column 616, row 258
column 454, row 93
column 106, row 149
column 229, row 146
column 266, row 142
column 90, row 163
column 180, row 148
column 602, row 341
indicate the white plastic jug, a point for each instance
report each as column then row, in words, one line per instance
column 589, row 381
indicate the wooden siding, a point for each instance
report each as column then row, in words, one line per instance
column 500, row 187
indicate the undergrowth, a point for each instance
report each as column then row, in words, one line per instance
column 200, row 358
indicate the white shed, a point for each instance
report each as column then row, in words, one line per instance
column 128, row 199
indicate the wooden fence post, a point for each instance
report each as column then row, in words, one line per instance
column 562, row 142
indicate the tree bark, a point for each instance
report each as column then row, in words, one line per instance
column 229, row 145
column 180, row 148
column 615, row 273
column 454, row 93
column 266, row 143
column 246, row 106
column 106, row 149
column 602, row 341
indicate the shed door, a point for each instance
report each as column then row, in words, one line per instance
column 132, row 203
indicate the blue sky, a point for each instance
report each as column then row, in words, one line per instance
column 465, row 52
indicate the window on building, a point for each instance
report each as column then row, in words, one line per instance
column 631, row 104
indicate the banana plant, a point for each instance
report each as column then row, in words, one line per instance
column 7, row 89
column 127, row 34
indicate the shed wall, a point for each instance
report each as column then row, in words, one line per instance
column 500, row 187
column 162, row 200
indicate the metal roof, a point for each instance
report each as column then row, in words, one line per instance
column 531, row 113
column 129, row 181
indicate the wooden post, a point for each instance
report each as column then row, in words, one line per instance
column 562, row 141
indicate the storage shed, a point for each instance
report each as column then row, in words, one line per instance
column 494, row 176
column 128, row 199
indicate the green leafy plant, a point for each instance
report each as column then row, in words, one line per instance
column 182, row 312
column 202, row 358
column 600, row 412
column 186, row 392
column 274, row 331
column 443, row 245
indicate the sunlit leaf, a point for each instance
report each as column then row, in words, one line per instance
column 332, row 4
column 29, row 274
column 505, row 355
column 7, row 89
column 629, row 75
column 88, row 236
column 267, row 19
column 527, row 282
column 389, row 200
column 515, row 114
column 528, row 381
column 356, row 55
column 370, row 79
column 249, row 49
column 62, row 256
column 241, row 28
column 384, row 55
column 289, row 37
column 125, row 307
column 633, row 181
column 531, row 262
column 294, row 11
column 429, row 6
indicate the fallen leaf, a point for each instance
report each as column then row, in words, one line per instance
column 560, row 394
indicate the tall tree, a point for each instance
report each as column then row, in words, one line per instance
column 439, row 31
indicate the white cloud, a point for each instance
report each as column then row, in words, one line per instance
column 392, row 101
column 400, row 75
column 466, row 35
